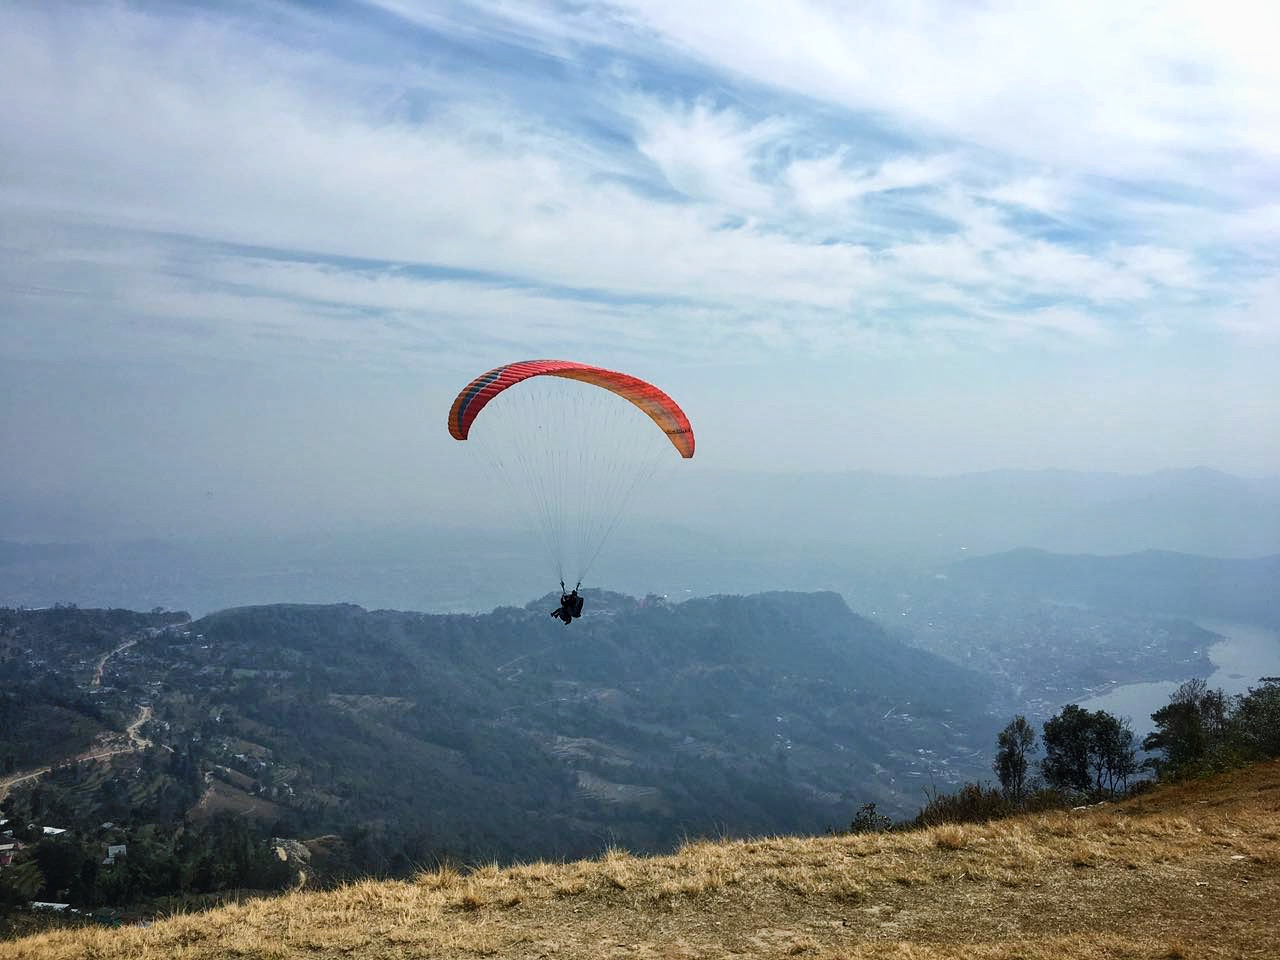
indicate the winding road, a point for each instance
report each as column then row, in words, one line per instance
column 139, row 742
column 136, row 742
column 102, row 661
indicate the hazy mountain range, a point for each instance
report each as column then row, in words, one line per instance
column 1153, row 583
column 1194, row 511
column 693, row 534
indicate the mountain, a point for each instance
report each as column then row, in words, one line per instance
column 711, row 532
column 1195, row 511
column 404, row 569
column 1185, row 871
column 510, row 735
column 1152, row 582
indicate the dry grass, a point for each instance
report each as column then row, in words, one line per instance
column 1189, row 872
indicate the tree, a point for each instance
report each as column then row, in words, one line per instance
column 1013, row 745
column 1066, row 749
column 1088, row 751
column 1113, row 757
column 20, row 882
column 60, row 860
column 1202, row 730
column 1191, row 729
column 1258, row 719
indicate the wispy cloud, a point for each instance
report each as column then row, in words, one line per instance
column 713, row 182
column 221, row 129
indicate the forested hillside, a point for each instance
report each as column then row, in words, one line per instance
column 414, row 736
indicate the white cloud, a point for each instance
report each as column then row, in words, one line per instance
column 825, row 184
column 261, row 162
column 1040, row 193
column 929, row 203
column 1165, row 266
column 708, row 154
column 1123, row 89
column 200, row 127
column 1074, row 324
column 955, row 260
column 1047, row 268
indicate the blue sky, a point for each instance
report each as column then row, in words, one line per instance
column 257, row 247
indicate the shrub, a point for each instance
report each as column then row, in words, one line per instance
column 867, row 820
column 970, row 804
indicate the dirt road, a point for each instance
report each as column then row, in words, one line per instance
column 102, row 661
column 136, row 742
column 139, row 742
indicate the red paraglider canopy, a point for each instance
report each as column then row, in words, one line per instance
column 664, row 411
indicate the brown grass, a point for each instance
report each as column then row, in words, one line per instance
column 1189, row 872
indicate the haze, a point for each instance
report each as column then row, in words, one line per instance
column 249, row 253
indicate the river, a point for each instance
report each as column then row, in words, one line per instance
column 1244, row 654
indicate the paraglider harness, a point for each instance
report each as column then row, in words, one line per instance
column 570, row 604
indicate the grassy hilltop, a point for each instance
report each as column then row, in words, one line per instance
column 1188, row 871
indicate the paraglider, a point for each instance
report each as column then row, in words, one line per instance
column 570, row 605
column 573, row 443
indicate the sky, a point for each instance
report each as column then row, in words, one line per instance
column 250, row 251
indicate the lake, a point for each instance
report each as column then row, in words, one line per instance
column 1243, row 655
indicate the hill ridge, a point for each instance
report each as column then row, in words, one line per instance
column 1183, row 871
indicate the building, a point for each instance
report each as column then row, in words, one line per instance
column 8, row 849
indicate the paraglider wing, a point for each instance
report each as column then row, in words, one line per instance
column 573, row 444
column 664, row 411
